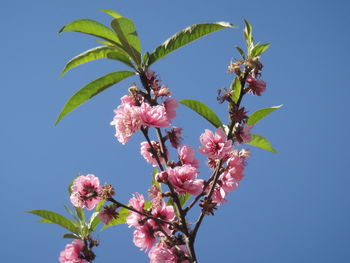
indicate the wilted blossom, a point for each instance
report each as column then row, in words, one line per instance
column 137, row 202
column 72, row 253
column 215, row 146
column 144, row 236
column 160, row 253
column 155, row 116
column 242, row 133
column 170, row 105
column 85, row 191
column 127, row 119
column 108, row 213
column 186, row 156
column 256, row 86
column 174, row 136
column 184, row 179
column 146, row 152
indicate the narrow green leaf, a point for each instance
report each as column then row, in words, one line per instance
column 145, row 60
column 94, row 28
column 240, row 51
column 203, row 110
column 183, row 198
column 93, row 88
column 43, row 220
column 126, row 32
column 259, row 49
column 99, row 205
column 261, row 142
column 260, row 114
column 184, row 37
column 80, row 213
column 112, row 13
column 110, row 52
column 123, row 213
column 71, row 236
column 94, row 221
column 248, row 35
column 56, row 219
column 236, row 87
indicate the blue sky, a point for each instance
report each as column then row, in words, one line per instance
column 291, row 207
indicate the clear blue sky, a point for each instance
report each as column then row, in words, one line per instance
column 291, row 207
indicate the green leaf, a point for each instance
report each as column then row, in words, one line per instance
column 203, row 110
column 260, row 114
column 43, row 220
column 248, row 35
column 123, row 213
column 97, row 53
column 184, row 37
column 240, row 51
column 112, row 13
column 80, row 213
column 71, row 236
column 94, row 28
column 125, row 29
column 94, row 221
column 183, row 198
column 261, row 142
column 259, row 49
column 99, row 205
column 56, row 219
column 236, row 87
column 92, row 89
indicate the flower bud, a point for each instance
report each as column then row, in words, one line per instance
column 161, row 177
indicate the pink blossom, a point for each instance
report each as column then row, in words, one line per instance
column 215, row 146
column 71, row 253
column 219, row 195
column 108, row 213
column 162, row 211
column 128, row 100
column 170, row 105
column 146, row 153
column 154, row 115
column 256, row 86
column 144, row 236
column 186, row 156
column 85, row 191
column 127, row 120
column 160, row 253
column 137, row 202
column 184, row 179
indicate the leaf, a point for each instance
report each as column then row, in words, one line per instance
column 56, row 219
column 260, row 114
column 94, row 221
column 236, row 87
column 92, row 89
column 247, row 33
column 112, row 13
column 80, row 213
column 123, row 213
column 240, row 51
column 94, row 28
column 97, row 53
column 183, row 198
column 71, row 236
column 184, row 37
column 261, row 142
column 259, row 49
column 203, row 110
column 99, row 205
column 125, row 29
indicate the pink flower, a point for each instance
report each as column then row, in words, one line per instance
column 85, row 191
column 174, row 136
column 215, row 146
column 137, row 202
column 127, row 100
column 108, row 213
column 163, row 211
column 160, row 253
column 144, row 236
column 71, row 253
column 184, row 179
column 146, row 153
column 256, row 86
column 219, row 195
column 186, row 156
column 170, row 105
column 154, row 115
column 127, row 120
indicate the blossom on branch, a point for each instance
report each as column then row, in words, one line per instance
column 85, row 191
column 155, row 116
column 146, row 152
column 72, row 253
column 186, row 156
column 215, row 146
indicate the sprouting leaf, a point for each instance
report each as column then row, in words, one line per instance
column 110, row 52
column 56, row 219
column 183, row 198
column 240, row 51
column 236, row 87
column 203, row 110
column 248, row 35
column 259, row 49
column 184, row 37
column 80, row 213
column 123, row 213
column 73, row 236
column 126, row 32
column 92, row 89
column 261, row 142
column 94, row 221
column 260, row 114
column 94, row 28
